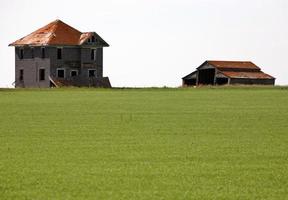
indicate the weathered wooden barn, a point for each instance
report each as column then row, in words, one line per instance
column 227, row 72
column 59, row 55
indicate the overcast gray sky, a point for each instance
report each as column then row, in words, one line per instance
column 156, row 42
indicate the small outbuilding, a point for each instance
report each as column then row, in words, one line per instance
column 226, row 73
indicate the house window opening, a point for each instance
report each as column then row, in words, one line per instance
column 59, row 53
column 42, row 52
column 60, row 73
column 21, row 75
column 93, row 39
column 32, row 53
column 21, row 53
column 42, row 74
column 91, row 73
column 93, row 54
column 74, row 73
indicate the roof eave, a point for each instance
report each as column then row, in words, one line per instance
column 189, row 74
column 252, row 78
column 203, row 64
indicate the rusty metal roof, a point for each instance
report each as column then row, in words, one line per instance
column 54, row 33
column 233, row 64
column 250, row 75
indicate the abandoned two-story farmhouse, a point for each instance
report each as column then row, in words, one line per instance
column 59, row 55
column 226, row 73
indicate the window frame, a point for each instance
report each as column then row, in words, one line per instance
column 64, row 72
column 95, row 73
column 94, row 53
column 43, row 52
column 21, row 75
column 21, row 56
column 32, row 53
column 74, row 70
column 59, row 53
column 42, row 77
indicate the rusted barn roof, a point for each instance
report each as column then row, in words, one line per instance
column 55, row 33
column 251, row 75
column 233, row 64
column 234, row 69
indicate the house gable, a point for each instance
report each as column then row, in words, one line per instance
column 206, row 65
column 92, row 39
column 191, row 75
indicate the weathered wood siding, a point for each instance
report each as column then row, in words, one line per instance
column 249, row 81
column 31, row 67
column 73, row 58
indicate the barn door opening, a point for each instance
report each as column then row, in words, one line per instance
column 221, row 81
column 206, row 76
column 190, row 82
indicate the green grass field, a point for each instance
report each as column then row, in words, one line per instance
column 207, row 143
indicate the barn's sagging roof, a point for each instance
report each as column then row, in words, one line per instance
column 233, row 64
column 56, row 33
column 234, row 69
column 251, row 75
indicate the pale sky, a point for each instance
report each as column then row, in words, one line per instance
column 157, row 42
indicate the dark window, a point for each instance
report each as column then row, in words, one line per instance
column 93, row 54
column 59, row 53
column 21, row 53
column 89, row 40
column 93, row 39
column 21, row 75
column 32, row 52
column 92, row 73
column 60, row 73
column 42, row 52
column 41, row 74
column 74, row 73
